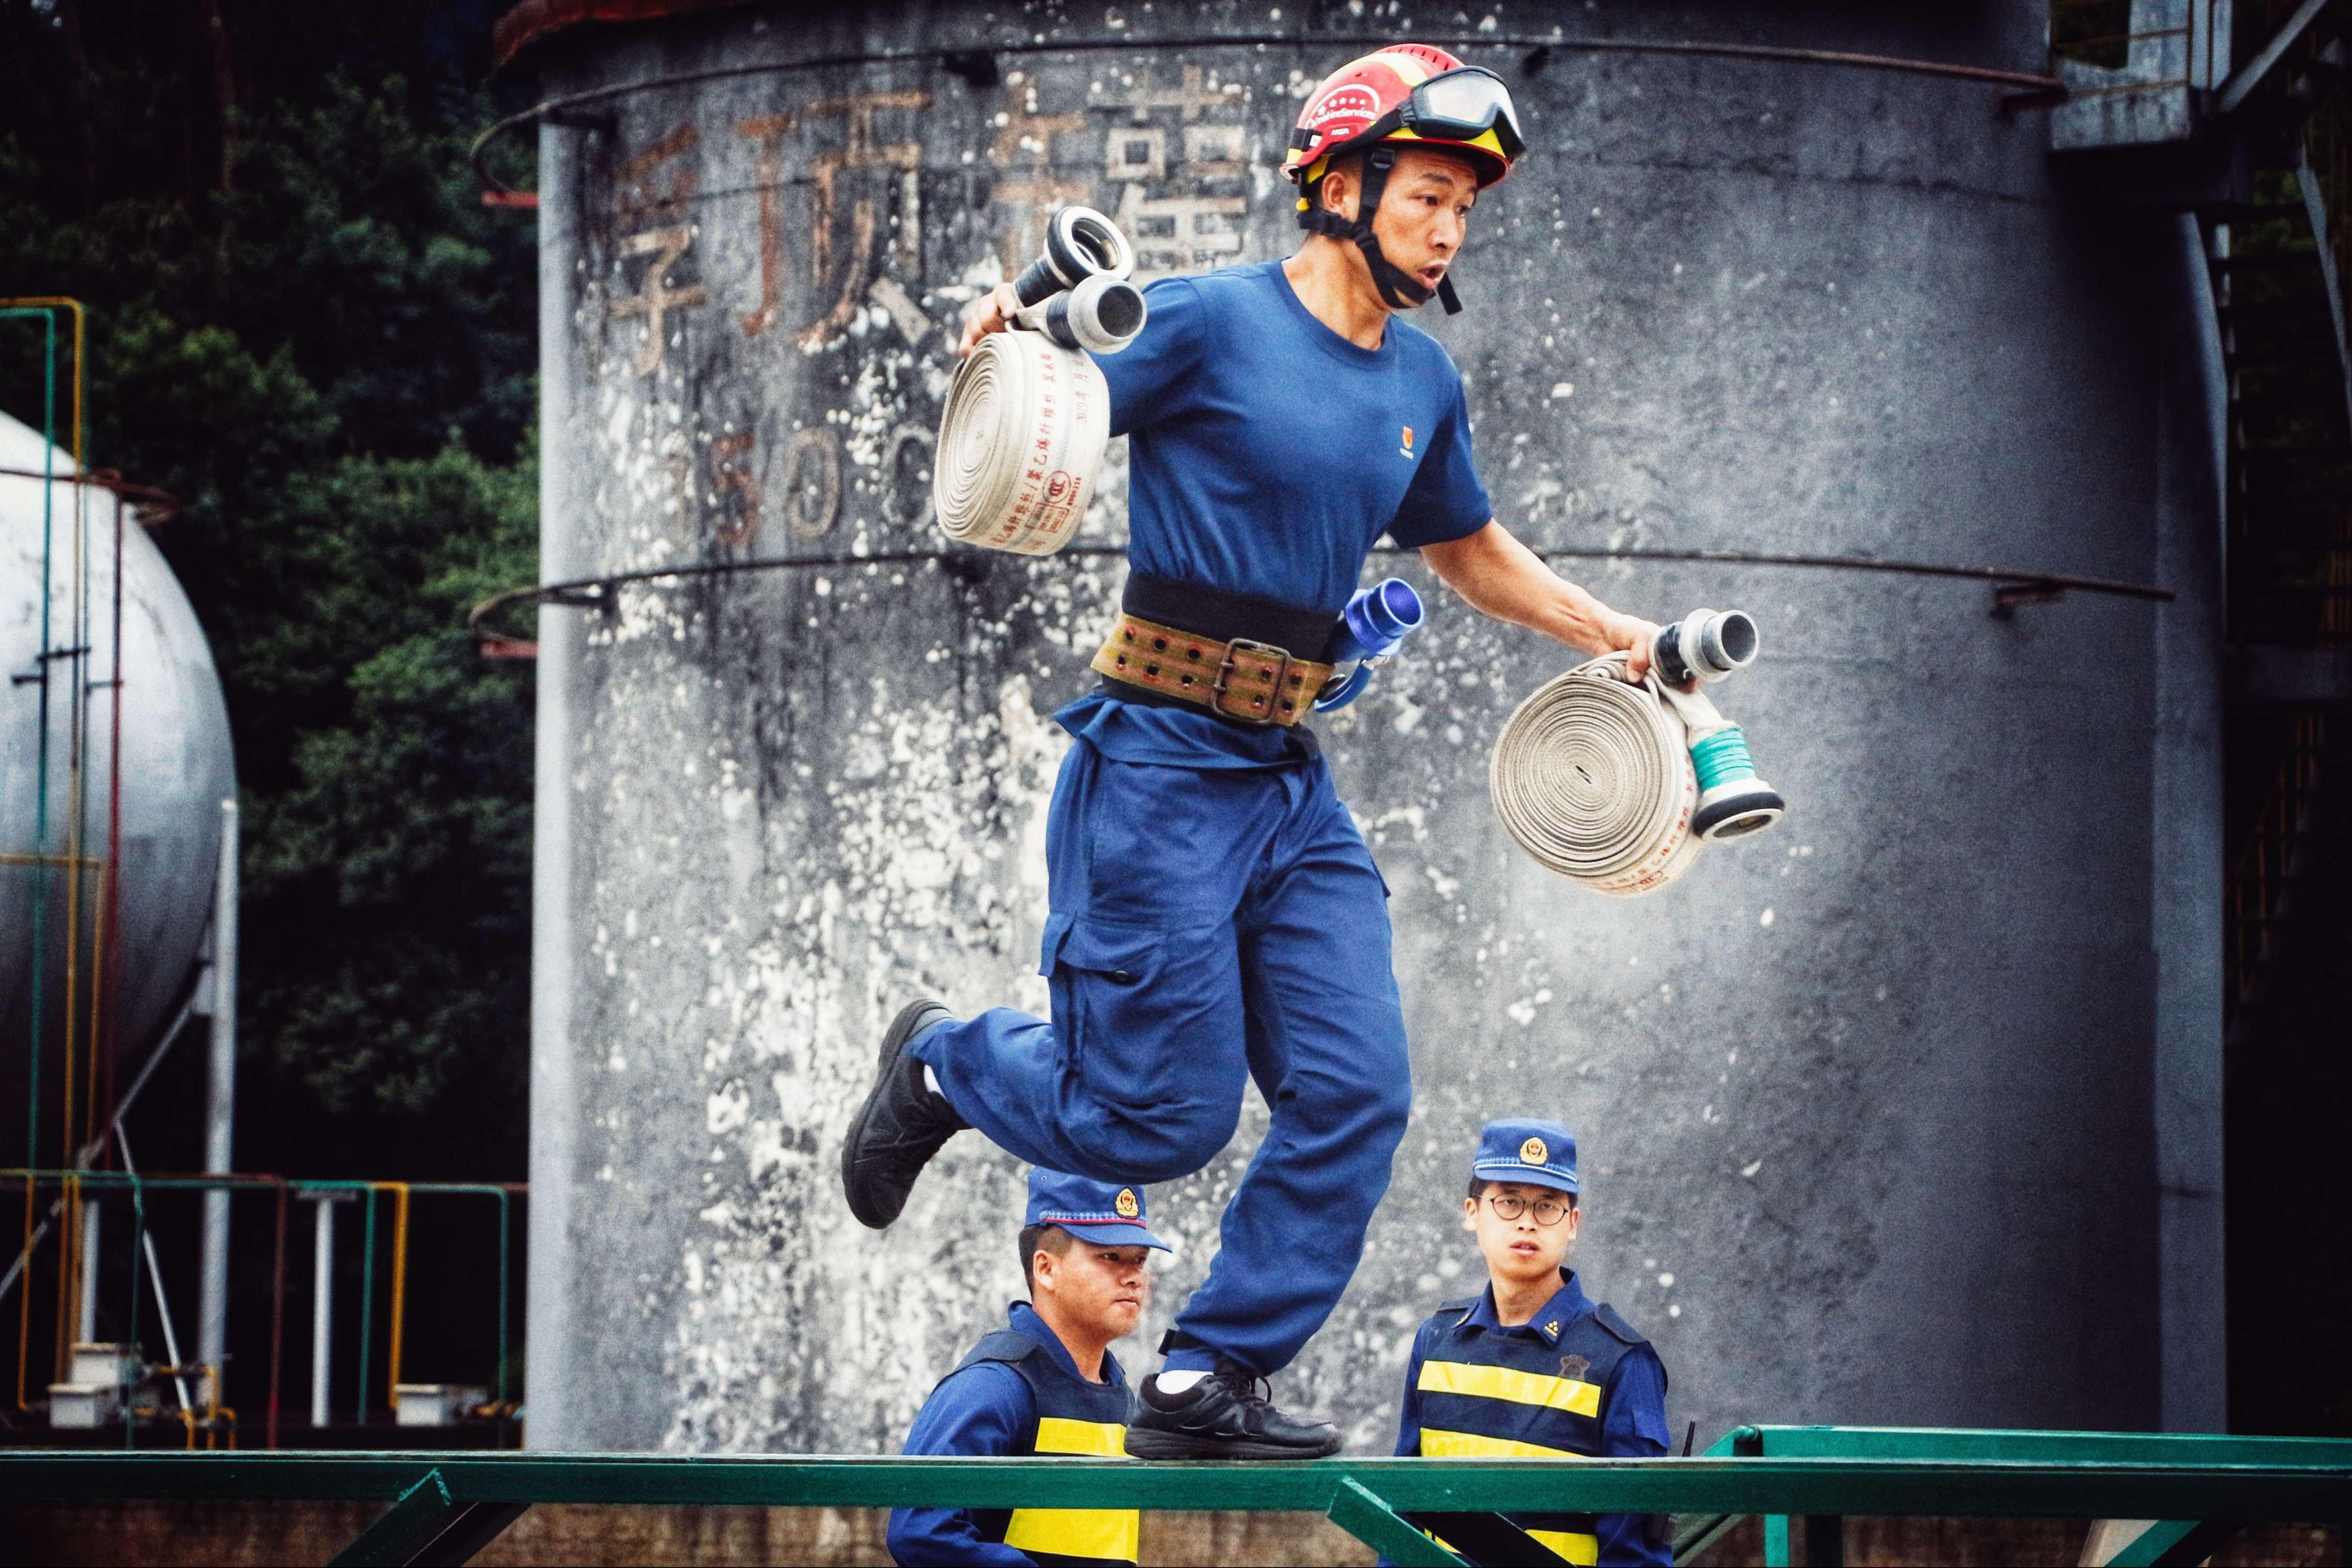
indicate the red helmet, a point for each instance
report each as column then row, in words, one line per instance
column 1410, row 94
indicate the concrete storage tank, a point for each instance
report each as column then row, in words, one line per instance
column 176, row 767
column 1874, row 1107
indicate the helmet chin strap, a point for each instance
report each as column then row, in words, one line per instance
column 1400, row 289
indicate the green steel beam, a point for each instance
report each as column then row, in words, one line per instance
column 1697, row 1533
column 2296, row 1493
column 475, row 1526
column 1364, row 1515
column 428, row 1527
column 419, row 1514
column 2173, row 1541
column 1489, row 1539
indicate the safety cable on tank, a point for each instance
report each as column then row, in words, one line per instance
column 2009, row 588
column 2038, row 88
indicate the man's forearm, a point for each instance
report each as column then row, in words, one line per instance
column 1501, row 577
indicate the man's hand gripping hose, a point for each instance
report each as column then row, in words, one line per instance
column 1619, row 786
column 1021, row 439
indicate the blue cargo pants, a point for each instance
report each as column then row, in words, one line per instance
column 1208, row 924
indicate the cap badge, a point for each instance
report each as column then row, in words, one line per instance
column 1126, row 1205
column 1534, row 1151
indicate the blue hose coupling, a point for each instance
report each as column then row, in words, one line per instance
column 1375, row 621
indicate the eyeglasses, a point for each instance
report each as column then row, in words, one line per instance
column 1463, row 105
column 1510, row 1206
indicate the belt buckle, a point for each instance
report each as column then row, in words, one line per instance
column 1225, row 666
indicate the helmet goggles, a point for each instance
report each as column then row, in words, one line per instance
column 1463, row 105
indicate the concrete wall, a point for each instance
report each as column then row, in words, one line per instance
column 1866, row 1104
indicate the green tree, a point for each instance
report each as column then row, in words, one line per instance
column 306, row 326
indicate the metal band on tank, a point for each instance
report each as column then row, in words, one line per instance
column 2038, row 88
column 2011, row 588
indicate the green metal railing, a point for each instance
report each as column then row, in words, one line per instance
column 2164, row 1540
column 444, row 1508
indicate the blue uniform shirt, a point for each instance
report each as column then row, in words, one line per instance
column 1632, row 1409
column 985, row 1409
column 1269, row 452
column 1267, row 455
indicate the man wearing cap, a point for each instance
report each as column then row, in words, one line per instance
column 1531, row 1366
column 1045, row 1383
column 1216, row 919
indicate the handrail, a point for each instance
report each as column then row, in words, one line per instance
column 446, row 1506
column 1968, row 1443
column 1978, row 1489
column 2162, row 1540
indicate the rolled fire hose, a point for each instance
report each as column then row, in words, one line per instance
column 1021, row 437
column 1020, row 444
column 1619, row 786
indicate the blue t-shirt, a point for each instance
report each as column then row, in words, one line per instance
column 1267, row 455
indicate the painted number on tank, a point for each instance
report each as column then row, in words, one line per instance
column 813, row 481
column 736, row 488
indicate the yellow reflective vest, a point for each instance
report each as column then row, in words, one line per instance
column 1073, row 1416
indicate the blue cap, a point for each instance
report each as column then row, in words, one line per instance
column 1521, row 1149
column 1094, row 1212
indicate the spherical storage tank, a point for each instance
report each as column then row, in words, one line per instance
column 176, row 769
column 1865, row 1103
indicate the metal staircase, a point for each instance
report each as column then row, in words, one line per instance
column 2239, row 111
column 2277, row 264
column 2279, row 301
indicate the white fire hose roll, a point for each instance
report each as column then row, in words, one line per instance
column 1593, row 777
column 1019, row 445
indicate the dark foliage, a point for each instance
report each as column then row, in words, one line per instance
column 305, row 325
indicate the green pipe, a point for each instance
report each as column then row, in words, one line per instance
column 41, row 765
column 234, row 1181
column 138, row 1183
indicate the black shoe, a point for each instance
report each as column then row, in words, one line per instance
column 901, row 1125
column 1225, row 1416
